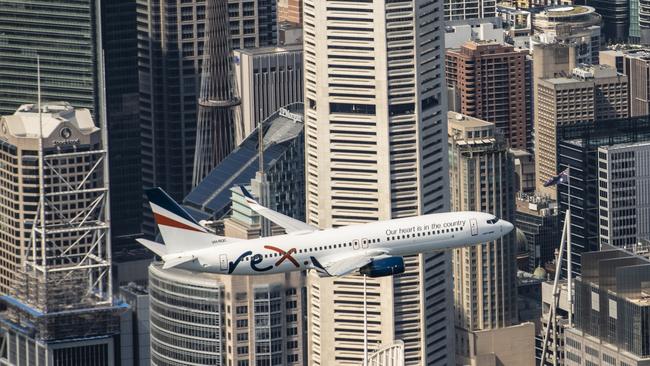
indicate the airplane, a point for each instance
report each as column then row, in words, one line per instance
column 373, row 249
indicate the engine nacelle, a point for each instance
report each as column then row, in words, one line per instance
column 383, row 267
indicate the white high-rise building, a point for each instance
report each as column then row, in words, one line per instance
column 624, row 190
column 375, row 140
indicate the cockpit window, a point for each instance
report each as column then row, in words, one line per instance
column 492, row 221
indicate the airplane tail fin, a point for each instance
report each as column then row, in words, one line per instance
column 178, row 228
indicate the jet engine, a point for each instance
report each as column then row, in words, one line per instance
column 383, row 267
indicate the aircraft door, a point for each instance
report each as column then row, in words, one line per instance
column 474, row 226
column 355, row 244
column 364, row 243
column 223, row 262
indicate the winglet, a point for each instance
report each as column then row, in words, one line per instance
column 249, row 197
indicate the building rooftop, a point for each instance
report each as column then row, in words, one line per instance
column 462, row 120
column 210, row 199
column 625, row 272
column 584, row 73
column 270, row 49
column 625, row 145
column 567, row 11
column 26, row 121
column 536, row 205
column 186, row 277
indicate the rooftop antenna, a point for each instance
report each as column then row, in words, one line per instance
column 260, row 144
column 41, row 176
column 259, row 183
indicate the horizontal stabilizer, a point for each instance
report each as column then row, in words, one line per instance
column 159, row 249
column 174, row 260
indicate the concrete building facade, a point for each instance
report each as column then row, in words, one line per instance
column 482, row 179
column 491, row 81
column 458, row 32
column 624, row 185
column 269, row 78
column 635, row 63
column 374, row 127
column 135, row 334
column 536, row 219
column 570, row 25
column 290, row 11
column 470, row 9
column 55, row 272
column 592, row 93
column 611, row 310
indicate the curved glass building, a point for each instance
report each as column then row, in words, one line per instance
column 211, row 319
column 186, row 318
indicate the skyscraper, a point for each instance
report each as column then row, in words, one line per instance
column 579, row 26
column 623, row 174
column 73, row 42
column 536, row 219
column 236, row 320
column 616, row 18
column 219, row 125
column 611, row 311
column 578, row 149
column 482, row 179
column 470, row 9
column 634, row 25
column 491, row 81
column 170, row 51
column 56, row 268
column 592, row 93
column 66, row 35
column 635, row 63
column 290, row 11
column 269, row 78
column 644, row 21
column 120, row 43
column 375, row 149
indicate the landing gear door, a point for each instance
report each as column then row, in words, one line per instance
column 474, row 226
column 223, row 262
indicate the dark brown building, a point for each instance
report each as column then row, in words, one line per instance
column 490, row 81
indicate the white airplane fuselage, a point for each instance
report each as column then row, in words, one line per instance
column 300, row 251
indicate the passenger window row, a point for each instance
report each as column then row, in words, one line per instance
column 428, row 233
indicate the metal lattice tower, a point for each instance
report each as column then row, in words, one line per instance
column 219, row 122
column 62, row 281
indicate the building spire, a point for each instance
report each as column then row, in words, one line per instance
column 219, row 119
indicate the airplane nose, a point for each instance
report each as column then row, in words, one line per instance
column 507, row 226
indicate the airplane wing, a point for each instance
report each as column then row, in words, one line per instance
column 341, row 266
column 289, row 224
